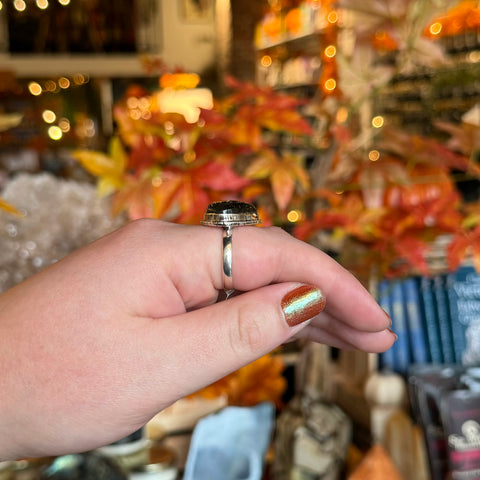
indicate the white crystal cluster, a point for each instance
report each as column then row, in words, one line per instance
column 60, row 216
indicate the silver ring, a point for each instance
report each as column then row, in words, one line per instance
column 227, row 215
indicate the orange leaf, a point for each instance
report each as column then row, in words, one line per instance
column 283, row 185
column 284, row 173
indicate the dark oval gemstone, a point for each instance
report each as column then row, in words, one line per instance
column 231, row 207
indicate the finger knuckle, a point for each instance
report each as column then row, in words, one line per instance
column 247, row 335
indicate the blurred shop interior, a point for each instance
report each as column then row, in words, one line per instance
column 355, row 126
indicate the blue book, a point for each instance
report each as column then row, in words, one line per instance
column 443, row 316
column 431, row 323
column 386, row 359
column 401, row 348
column 463, row 287
column 415, row 321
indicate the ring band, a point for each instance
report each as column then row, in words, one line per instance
column 227, row 260
column 227, row 215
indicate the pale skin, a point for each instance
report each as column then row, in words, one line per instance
column 94, row 346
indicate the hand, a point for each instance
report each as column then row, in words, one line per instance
column 95, row 345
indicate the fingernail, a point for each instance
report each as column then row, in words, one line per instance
column 389, row 317
column 393, row 333
column 302, row 304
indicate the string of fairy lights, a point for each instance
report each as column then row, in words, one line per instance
column 22, row 5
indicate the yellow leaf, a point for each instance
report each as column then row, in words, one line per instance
column 108, row 185
column 262, row 168
column 97, row 163
column 117, row 153
column 102, row 165
column 8, row 207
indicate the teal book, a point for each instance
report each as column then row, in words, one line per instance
column 463, row 288
column 401, row 348
column 443, row 316
column 427, row 299
column 415, row 321
column 386, row 359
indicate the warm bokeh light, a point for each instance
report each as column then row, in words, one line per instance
column 294, row 216
column 332, row 17
column 169, row 128
column 373, row 155
column 144, row 103
column 48, row 116
column 64, row 2
column 34, row 88
column 50, row 86
column 19, row 5
column 78, row 79
column 266, row 61
column 190, row 156
column 89, row 127
column 64, row 124
column 42, row 4
column 474, row 57
column 342, row 115
column 157, row 181
column 435, row 28
column 330, row 51
column 1, row 6
column 135, row 114
column 330, row 84
column 378, row 121
column 63, row 82
column 132, row 102
column 55, row 133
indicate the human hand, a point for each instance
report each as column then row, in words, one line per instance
column 95, row 345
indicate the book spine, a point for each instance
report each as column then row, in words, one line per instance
column 458, row 329
column 415, row 321
column 464, row 304
column 443, row 316
column 401, row 348
column 386, row 359
column 430, row 315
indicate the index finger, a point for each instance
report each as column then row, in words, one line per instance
column 266, row 255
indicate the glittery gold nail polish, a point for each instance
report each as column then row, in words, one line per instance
column 302, row 304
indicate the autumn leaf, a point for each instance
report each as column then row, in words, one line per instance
column 464, row 138
column 418, row 149
column 283, row 172
column 359, row 76
column 178, row 194
column 413, row 250
column 9, row 208
column 264, row 108
column 259, row 381
column 136, row 197
column 322, row 220
column 109, row 168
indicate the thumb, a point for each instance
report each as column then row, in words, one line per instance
column 213, row 341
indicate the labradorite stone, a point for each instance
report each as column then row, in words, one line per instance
column 231, row 207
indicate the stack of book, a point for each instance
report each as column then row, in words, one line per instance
column 436, row 319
